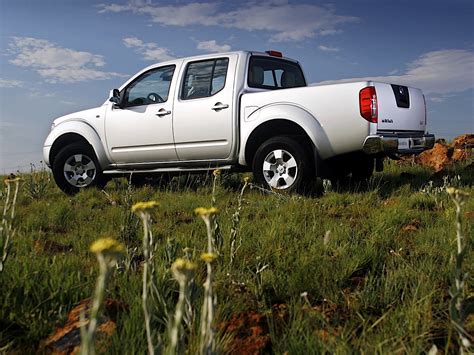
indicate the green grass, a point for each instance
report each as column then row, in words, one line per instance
column 375, row 286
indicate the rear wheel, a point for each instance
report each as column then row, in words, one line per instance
column 283, row 165
column 76, row 167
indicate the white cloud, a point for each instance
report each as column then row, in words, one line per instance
column 328, row 49
column 437, row 72
column 150, row 51
column 283, row 21
column 4, row 83
column 213, row 46
column 57, row 64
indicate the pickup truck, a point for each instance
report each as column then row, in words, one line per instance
column 242, row 111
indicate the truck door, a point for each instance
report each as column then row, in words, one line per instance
column 142, row 130
column 203, row 121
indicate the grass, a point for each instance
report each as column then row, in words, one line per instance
column 378, row 282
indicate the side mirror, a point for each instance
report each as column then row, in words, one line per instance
column 115, row 98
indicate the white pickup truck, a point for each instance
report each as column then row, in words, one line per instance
column 245, row 111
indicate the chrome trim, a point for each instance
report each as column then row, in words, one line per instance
column 391, row 144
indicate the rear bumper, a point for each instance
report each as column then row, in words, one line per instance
column 399, row 144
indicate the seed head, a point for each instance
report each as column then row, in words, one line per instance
column 107, row 246
column 247, row 179
column 208, row 257
column 217, row 172
column 144, row 206
column 183, row 268
column 206, row 212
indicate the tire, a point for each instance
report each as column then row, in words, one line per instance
column 76, row 167
column 283, row 164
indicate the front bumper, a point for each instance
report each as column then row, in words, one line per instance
column 398, row 144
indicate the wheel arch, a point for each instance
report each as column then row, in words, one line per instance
column 282, row 119
column 71, row 132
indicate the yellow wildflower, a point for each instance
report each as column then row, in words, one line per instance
column 217, row 172
column 143, row 206
column 183, row 268
column 247, row 179
column 107, row 245
column 206, row 212
column 456, row 192
column 12, row 180
column 208, row 257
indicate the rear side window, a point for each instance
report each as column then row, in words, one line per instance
column 273, row 73
column 204, row 78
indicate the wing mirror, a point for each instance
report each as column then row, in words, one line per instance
column 115, row 97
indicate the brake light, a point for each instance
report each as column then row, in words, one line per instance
column 275, row 54
column 368, row 104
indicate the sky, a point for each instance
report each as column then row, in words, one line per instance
column 58, row 57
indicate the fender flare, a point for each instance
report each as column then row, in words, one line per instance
column 290, row 112
column 84, row 130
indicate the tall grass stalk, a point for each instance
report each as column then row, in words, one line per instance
column 207, row 311
column 142, row 210
column 457, row 312
column 7, row 231
column 183, row 272
column 234, row 231
column 107, row 251
column 217, row 234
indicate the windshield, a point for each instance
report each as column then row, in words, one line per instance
column 273, row 73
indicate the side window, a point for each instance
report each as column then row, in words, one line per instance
column 273, row 73
column 151, row 87
column 204, row 78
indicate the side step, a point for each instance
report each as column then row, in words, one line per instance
column 166, row 170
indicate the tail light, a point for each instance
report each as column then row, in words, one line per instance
column 275, row 54
column 368, row 104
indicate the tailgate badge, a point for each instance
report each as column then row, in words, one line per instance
column 387, row 120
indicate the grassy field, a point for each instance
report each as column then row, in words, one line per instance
column 363, row 269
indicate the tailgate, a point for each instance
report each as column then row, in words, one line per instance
column 400, row 108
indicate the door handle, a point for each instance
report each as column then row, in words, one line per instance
column 219, row 106
column 162, row 112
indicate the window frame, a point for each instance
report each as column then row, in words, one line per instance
column 181, row 91
column 124, row 90
column 267, row 87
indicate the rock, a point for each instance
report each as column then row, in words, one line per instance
column 465, row 141
column 250, row 333
column 437, row 158
column 67, row 339
column 461, row 154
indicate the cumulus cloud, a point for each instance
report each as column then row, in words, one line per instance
column 213, row 46
column 437, row 72
column 4, row 83
column 283, row 21
column 328, row 48
column 149, row 51
column 57, row 64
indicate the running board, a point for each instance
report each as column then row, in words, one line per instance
column 166, row 170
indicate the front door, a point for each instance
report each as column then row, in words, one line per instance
column 142, row 130
column 203, row 114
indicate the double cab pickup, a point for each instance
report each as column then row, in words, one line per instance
column 243, row 111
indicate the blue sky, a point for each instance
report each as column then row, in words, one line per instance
column 57, row 57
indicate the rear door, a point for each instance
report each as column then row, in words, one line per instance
column 204, row 109
column 400, row 108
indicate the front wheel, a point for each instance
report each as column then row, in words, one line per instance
column 76, row 167
column 283, row 165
